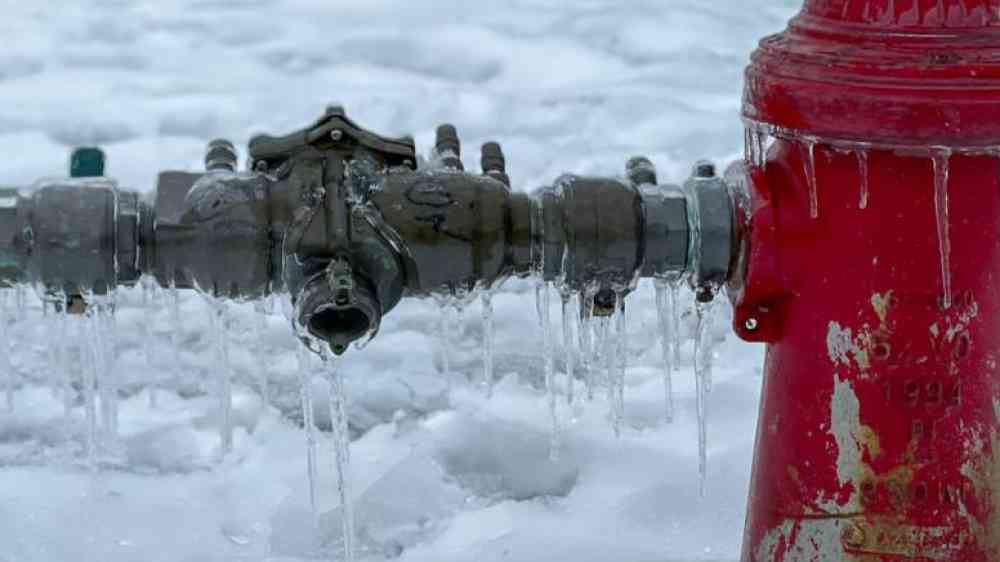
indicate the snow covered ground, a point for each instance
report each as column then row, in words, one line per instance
column 439, row 472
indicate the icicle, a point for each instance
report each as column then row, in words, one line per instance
column 488, row 332
column 760, row 147
column 569, row 344
column 100, row 310
column 90, row 373
column 174, row 302
column 703, row 378
column 111, row 337
column 942, row 158
column 148, row 291
column 21, row 298
column 6, row 349
column 221, row 323
column 444, row 341
column 617, row 361
column 586, row 337
column 260, row 343
column 810, row 171
column 544, row 306
column 308, row 423
column 63, row 366
column 862, row 155
column 675, row 319
column 666, row 336
column 756, row 137
column 342, row 451
column 748, row 145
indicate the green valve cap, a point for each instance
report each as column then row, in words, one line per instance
column 86, row 162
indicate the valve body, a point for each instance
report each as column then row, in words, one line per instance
column 340, row 218
column 872, row 274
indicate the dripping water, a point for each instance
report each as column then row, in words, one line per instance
column 664, row 302
column 341, row 447
column 543, row 305
column 942, row 158
column 488, row 382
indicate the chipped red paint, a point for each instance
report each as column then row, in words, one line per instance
column 879, row 431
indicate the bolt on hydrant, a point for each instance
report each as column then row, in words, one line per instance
column 858, row 239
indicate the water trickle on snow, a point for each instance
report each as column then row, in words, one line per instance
column 942, row 159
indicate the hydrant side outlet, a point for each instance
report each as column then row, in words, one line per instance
column 873, row 171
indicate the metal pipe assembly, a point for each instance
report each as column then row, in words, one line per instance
column 343, row 220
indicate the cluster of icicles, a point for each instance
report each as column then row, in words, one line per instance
column 596, row 352
column 760, row 136
column 595, row 348
column 83, row 350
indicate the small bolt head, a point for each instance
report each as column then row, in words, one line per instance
column 336, row 135
column 751, row 324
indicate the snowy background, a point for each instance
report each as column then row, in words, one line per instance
column 439, row 472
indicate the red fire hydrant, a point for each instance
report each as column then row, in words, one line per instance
column 873, row 274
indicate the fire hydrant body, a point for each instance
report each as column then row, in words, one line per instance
column 873, row 273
